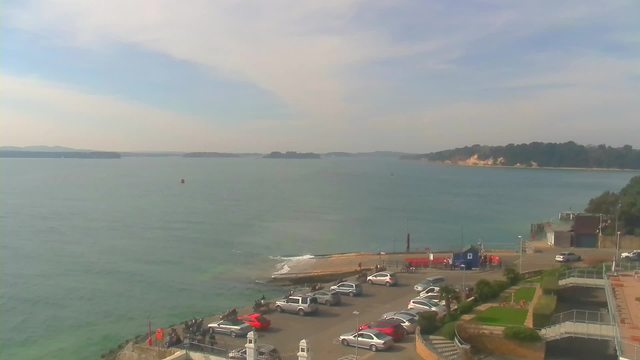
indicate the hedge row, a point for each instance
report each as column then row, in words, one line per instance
column 543, row 311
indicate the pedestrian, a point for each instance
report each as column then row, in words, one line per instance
column 360, row 265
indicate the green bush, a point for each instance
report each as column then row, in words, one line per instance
column 543, row 310
column 428, row 322
column 549, row 284
column 452, row 317
column 484, row 290
column 521, row 333
column 513, row 277
column 465, row 307
column 448, row 331
column 499, row 286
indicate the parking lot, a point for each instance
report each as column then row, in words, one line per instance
column 322, row 329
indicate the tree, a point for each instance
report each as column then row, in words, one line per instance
column 604, row 204
column 484, row 290
column 448, row 294
column 512, row 276
column 624, row 205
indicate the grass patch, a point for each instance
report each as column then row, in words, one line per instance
column 525, row 293
column 498, row 315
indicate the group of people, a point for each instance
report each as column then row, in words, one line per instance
column 173, row 339
column 490, row 261
column 231, row 315
column 193, row 326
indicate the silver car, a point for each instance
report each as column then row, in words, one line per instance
column 348, row 288
column 427, row 305
column 383, row 278
column 408, row 322
column 373, row 340
column 300, row 304
column 408, row 312
column 235, row 328
column 329, row 298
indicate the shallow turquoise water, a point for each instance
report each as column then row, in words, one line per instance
column 90, row 249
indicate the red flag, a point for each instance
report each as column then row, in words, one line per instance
column 533, row 236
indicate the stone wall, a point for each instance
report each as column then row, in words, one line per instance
column 423, row 349
column 626, row 242
column 500, row 346
column 143, row 352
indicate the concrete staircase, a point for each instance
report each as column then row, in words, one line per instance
column 445, row 349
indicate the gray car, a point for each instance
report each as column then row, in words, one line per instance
column 408, row 322
column 373, row 340
column 329, row 298
column 348, row 288
column 408, row 312
column 300, row 304
column 235, row 328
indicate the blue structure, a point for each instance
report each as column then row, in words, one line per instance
column 469, row 257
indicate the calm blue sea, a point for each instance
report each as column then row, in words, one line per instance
column 90, row 249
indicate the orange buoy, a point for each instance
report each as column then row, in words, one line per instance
column 182, row 181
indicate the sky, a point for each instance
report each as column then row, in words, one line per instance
column 330, row 75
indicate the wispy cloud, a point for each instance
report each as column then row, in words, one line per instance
column 357, row 74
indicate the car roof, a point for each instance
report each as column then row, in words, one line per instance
column 402, row 316
column 389, row 321
column 347, row 282
column 371, row 331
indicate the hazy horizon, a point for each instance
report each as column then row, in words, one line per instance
column 338, row 75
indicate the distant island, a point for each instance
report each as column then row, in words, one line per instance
column 538, row 154
column 291, row 155
column 216, row 155
column 372, row 154
column 59, row 154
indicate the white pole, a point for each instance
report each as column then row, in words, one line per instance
column 357, row 331
column 520, row 254
column 464, row 289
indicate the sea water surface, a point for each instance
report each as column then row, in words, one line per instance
column 92, row 249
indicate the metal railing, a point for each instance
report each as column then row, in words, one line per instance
column 580, row 316
column 191, row 346
column 581, row 274
column 624, row 348
column 460, row 343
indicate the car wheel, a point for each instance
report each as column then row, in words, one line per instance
column 373, row 348
column 370, row 282
column 387, row 283
column 279, row 309
column 301, row 312
column 345, row 342
column 233, row 334
column 328, row 302
column 352, row 294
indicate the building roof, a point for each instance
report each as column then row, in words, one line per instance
column 469, row 247
column 586, row 224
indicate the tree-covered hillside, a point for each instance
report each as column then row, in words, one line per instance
column 625, row 204
column 569, row 154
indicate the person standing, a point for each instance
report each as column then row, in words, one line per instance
column 360, row 265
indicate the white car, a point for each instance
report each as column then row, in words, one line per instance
column 409, row 312
column 630, row 254
column 435, row 297
column 567, row 257
column 408, row 322
column 430, row 290
column 427, row 305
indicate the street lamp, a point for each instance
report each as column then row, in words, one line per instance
column 520, row 237
column 356, row 313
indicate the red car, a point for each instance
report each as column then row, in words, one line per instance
column 390, row 327
column 258, row 321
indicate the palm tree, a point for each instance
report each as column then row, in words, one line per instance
column 448, row 294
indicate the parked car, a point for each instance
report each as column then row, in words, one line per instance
column 430, row 281
column 409, row 312
column 348, row 288
column 257, row 321
column 328, row 298
column 427, row 305
column 370, row 339
column 567, row 257
column 633, row 254
column 383, row 278
column 390, row 327
column 266, row 352
column 430, row 290
column 408, row 322
column 434, row 296
column 300, row 304
column 233, row 328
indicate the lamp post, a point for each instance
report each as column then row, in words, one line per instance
column 617, row 245
column 520, row 237
column 357, row 331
